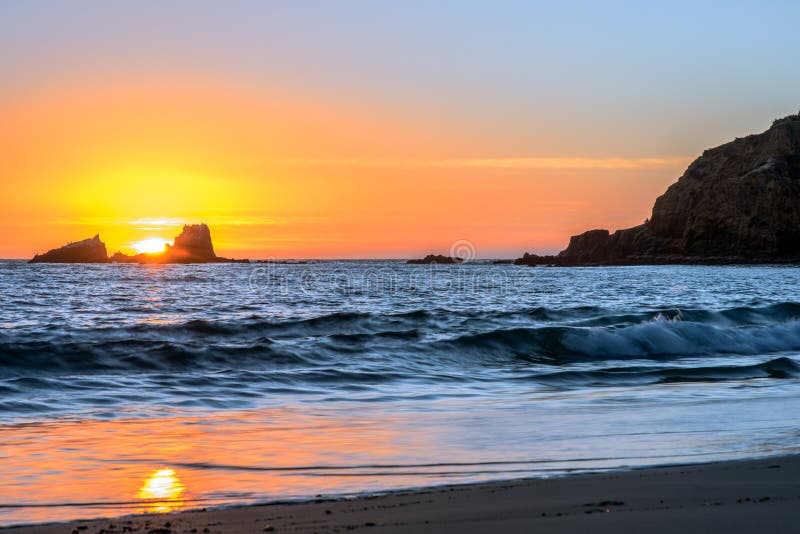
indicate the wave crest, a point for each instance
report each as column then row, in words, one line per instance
column 418, row 339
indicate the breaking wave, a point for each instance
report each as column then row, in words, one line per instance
column 419, row 339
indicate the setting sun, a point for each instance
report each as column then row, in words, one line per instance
column 150, row 245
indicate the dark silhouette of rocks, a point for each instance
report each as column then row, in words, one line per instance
column 435, row 258
column 90, row 250
column 535, row 259
column 192, row 245
column 737, row 203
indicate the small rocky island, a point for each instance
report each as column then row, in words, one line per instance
column 90, row 250
column 737, row 203
column 435, row 258
column 192, row 245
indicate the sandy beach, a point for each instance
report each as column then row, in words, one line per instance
column 739, row 496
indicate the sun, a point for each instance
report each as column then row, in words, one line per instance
column 150, row 245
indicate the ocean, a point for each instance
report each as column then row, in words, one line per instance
column 134, row 388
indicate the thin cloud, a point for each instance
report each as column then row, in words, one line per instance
column 560, row 163
column 500, row 163
column 163, row 221
column 166, row 223
column 254, row 220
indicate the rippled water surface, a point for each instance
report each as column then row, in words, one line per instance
column 127, row 388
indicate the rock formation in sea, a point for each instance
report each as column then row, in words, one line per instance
column 435, row 258
column 90, row 250
column 192, row 245
column 737, row 203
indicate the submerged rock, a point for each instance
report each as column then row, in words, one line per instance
column 737, row 203
column 90, row 250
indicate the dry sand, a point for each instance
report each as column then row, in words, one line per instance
column 742, row 496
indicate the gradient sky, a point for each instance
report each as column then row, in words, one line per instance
column 370, row 128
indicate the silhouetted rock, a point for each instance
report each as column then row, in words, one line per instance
column 737, row 203
column 535, row 259
column 90, row 250
column 435, row 258
column 193, row 245
column 119, row 257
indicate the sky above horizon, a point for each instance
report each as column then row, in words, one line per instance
column 316, row 129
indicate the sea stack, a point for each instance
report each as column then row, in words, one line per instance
column 90, row 250
column 192, row 245
column 737, row 203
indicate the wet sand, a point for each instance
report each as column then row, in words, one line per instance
column 741, row 496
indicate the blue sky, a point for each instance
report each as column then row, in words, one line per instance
column 666, row 77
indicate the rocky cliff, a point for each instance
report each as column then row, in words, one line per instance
column 737, row 203
column 90, row 250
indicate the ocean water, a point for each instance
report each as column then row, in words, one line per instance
column 129, row 388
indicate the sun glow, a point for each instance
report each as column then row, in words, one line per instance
column 150, row 245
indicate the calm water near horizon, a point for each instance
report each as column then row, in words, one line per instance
column 132, row 388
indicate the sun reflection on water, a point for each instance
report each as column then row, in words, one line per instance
column 116, row 465
column 163, row 489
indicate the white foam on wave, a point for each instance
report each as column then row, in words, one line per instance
column 670, row 336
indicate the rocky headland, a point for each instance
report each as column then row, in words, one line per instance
column 192, row 245
column 737, row 203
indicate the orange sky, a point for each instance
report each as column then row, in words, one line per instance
column 291, row 175
column 369, row 129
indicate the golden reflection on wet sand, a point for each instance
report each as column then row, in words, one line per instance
column 162, row 490
column 169, row 462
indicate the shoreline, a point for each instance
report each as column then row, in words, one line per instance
column 730, row 496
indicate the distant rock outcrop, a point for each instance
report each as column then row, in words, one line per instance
column 90, row 250
column 435, row 258
column 737, row 203
column 193, row 245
